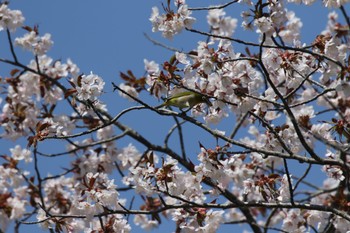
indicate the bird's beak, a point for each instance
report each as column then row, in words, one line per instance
column 207, row 101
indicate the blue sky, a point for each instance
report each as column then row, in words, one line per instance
column 106, row 37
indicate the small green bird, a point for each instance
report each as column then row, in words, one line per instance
column 186, row 99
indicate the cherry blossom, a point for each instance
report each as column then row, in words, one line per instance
column 276, row 115
column 89, row 87
column 32, row 42
column 171, row 23
column 10, row 19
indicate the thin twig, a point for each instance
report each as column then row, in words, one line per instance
column 155, row 42
column 212, row 7
column 347, row 19
column 11, row 46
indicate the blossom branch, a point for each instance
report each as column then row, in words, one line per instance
column 287, row 108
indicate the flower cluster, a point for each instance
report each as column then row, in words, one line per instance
column 221, row 25
column 13, row 190
column 32, row 42
column 172, row 23
column 89, row 87
column 286, row 102
column 25, row 92
column 10, row 19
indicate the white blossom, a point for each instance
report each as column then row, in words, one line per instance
column 128, row 89
column 10, row 19
column 90, row 87
column 21, row 154
column 32, row 42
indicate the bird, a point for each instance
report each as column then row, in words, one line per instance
column 186, row 99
